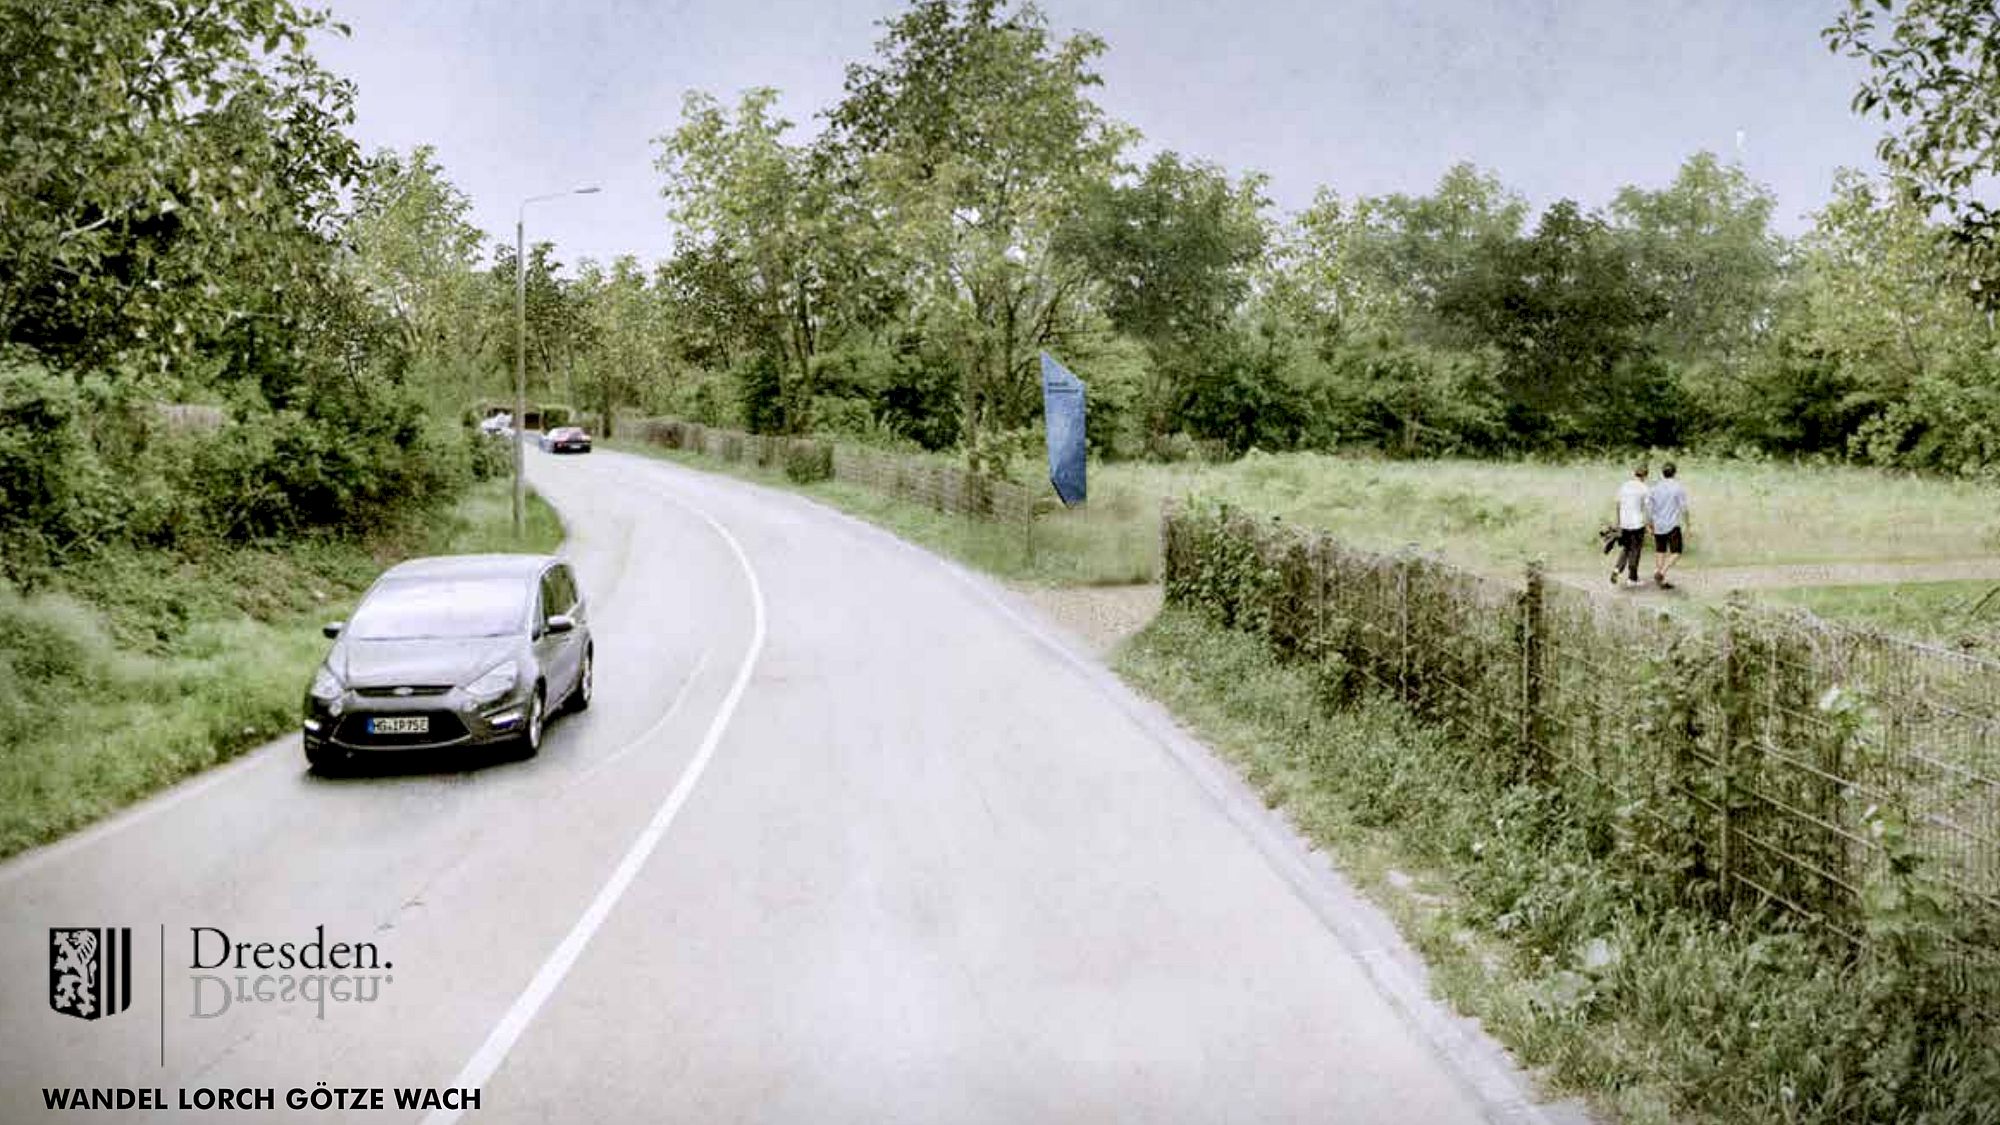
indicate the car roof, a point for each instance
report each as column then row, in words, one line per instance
column 470, row 566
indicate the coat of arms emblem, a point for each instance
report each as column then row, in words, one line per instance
column 90, row 971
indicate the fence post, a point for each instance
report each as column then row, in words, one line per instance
column 1028, row 529
column 1319, row 637
column 1403, row 627
column 1534, row 635
column 1733, row 731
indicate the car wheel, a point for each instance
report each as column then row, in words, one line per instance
column 579, row 696
column 326, row 763
column 531, row 734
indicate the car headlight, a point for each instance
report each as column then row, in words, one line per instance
column 326, row 687
column 495, row 683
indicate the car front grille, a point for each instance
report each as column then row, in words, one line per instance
column 402, row 691
column 444, row 727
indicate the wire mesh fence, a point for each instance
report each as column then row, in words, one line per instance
column 1845, row 777
column 942, row 487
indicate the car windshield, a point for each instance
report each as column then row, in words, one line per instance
column 422, row 609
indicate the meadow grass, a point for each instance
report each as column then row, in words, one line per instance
column 141, row 668
column 1963, row 615
column 1110, row 543
column 1490, row 516
column 1493, row 515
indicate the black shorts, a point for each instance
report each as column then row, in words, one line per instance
column 1667, row 542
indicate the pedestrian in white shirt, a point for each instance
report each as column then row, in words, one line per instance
column 1667, row 511
column 1631, row 526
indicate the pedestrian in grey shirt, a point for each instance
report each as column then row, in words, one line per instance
column 1667, row 511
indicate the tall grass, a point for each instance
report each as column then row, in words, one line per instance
column 1497, row 515
column 1586, row 967
column 143, row 668
column 1960, row 614
column 1488, row 515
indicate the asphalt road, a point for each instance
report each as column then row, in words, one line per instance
column 847, row 836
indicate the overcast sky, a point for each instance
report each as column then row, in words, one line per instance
column 1558, row 97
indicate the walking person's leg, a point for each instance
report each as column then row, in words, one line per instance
column 1630, row 542
column 1667, row 553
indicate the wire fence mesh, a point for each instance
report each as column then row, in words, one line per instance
column 1842, row 776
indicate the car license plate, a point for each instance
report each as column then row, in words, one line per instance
column 414, row 724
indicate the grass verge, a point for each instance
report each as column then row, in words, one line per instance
column 142, row 668
column 1963, row 614
column 1575, row 958
column 1112, row 542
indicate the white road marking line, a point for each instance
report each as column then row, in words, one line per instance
column 494, row 1051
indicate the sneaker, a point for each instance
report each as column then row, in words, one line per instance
column 1659, row 579
column 1666, row 585
column 1614, row 578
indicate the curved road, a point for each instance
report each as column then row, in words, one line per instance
column 846, row 837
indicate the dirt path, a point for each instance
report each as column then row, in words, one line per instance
column 1719, row 580
column 1101, row 615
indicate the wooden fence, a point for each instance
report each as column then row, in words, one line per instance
column 943, row 487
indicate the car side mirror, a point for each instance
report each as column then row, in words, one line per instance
column 560, row 623
column 332, row 629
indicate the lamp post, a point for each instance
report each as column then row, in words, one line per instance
column 521, row 349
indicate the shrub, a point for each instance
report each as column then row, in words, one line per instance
column 54, row 491
column 489, row 457
column 808, row 461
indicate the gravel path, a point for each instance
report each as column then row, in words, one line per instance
column 1102, row 616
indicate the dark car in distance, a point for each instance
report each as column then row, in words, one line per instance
column 567, row 439
column 450, row 652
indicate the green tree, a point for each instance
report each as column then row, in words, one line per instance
column 1569, row 315
column 627, row 349
column 1703, row 245
column 1880, row 349
column 758, row 208
column 557, row 330
column 1173, row 252
column 415, row 254
column 1934, row 74
column 1379, row 264
column 970, row 139
column 173, row 169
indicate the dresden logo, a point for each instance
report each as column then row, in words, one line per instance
column 90, row 971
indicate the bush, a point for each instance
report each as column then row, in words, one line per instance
column 488, row 456
column 808, row 461
column 55, row 493
column 760, row 394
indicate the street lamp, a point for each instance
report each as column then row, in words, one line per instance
column 521, row 347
